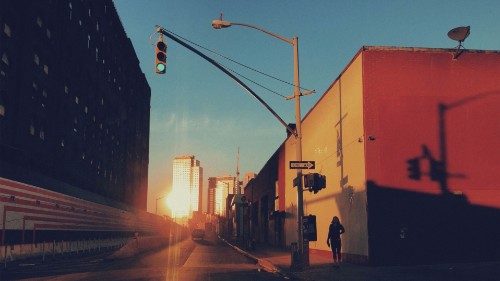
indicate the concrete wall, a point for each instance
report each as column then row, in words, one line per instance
column 333, row 137
column 29, row 214
column 388, row 106
column 453, row 216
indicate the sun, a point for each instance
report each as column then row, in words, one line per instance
column 178, row 202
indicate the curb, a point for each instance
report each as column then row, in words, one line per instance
column 264, row 263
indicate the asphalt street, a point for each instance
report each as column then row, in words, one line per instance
column 187, row 260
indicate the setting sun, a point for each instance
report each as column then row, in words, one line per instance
column 178, row 203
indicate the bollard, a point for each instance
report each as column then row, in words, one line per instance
column 296, row 263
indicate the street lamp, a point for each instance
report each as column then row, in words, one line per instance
column 156, row 208
column 219, row 24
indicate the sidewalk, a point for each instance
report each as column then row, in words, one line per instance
column 321, row 268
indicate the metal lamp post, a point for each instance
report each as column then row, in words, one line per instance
column 218, row 24
column 156, row 207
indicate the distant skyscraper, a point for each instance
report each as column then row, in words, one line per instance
column 224, row 185
column 188, row 177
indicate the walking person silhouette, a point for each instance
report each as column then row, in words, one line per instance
column 333, row 239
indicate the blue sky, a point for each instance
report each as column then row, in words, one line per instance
column 196, row 109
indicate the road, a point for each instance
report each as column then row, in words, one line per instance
column 188, row 260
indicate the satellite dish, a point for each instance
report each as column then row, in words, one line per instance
column 459, row 33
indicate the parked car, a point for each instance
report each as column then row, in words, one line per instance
column 198, row 233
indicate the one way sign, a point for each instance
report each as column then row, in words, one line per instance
column 302, row 164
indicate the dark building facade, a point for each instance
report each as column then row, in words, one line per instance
column 74, row 103
column 212, row 184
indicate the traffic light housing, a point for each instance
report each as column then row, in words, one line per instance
column 161, row 57
column 437, row 171
column 414, row 171
column 315, row 182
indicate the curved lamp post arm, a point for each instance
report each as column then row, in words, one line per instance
column 289, row 41
column 220, row 67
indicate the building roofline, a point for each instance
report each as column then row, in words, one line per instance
column 376, row 48
column 393, row 48
column 424, row 49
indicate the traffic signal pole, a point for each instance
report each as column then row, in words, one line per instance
column 221, row 68
column 303, row 247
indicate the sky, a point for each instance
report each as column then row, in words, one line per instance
column 198, row 110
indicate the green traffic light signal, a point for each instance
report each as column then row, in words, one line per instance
column 160, row 68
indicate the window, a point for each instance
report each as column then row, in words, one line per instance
column 86, row 110
column 48, row 33
column 36, row 59
column 96, row 54
column 39, row 21
column 70, row 9
column 88, row 41
column 97, row 26
column 6, row 30
column 32, row 129
column 46, row 69
column 80, row 22
column 5, row 58
column 76, row 99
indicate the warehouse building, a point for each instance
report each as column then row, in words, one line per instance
column 408, row 141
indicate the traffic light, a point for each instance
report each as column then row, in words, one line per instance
column 437, row 170
column 315, row 182
column 161, row 57
column 414, row 172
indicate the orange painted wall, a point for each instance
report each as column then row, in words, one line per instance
column 402, row 90
column 330, row 136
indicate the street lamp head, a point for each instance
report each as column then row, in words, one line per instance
column 218, row 24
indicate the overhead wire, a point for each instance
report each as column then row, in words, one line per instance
column 236, row 62
column 252, row 81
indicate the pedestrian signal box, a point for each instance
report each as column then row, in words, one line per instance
column 309, row 228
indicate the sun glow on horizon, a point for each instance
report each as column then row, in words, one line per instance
column 178, row 203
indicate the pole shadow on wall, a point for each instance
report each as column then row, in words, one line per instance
column 408, row 227
column 438, row 168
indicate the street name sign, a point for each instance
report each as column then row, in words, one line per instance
column 302, row 164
